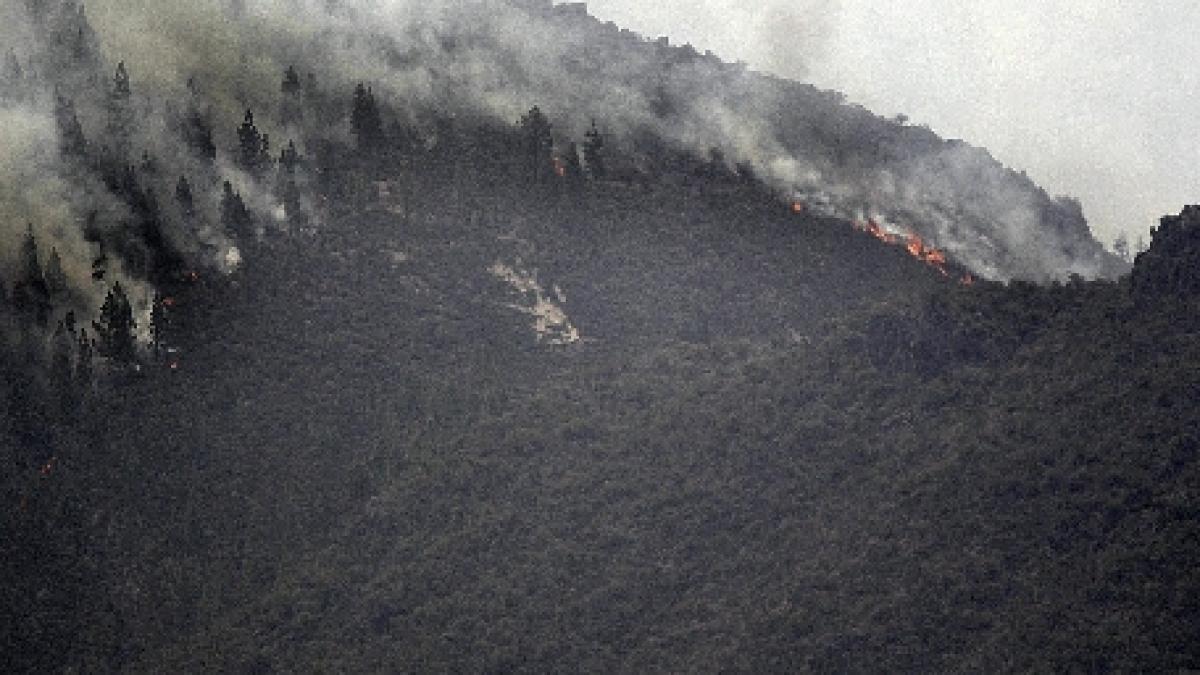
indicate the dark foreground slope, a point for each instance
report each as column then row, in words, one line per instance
column 780, row 445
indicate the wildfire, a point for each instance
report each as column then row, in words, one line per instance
column 916, row 247
column 872, row 228
column 912, row 242
column 48, row 467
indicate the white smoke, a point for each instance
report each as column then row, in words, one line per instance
column 496, row 59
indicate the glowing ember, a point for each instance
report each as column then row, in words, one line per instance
column 48, row 467
column 967, row 280
column 168, row 301
column 916, row 247
column 872, row 228
column 560, row 169
column 797, row 207
column 920, row 251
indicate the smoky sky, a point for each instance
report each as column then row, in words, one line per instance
column 1093, row 98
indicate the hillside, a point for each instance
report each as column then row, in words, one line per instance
column 438, row 390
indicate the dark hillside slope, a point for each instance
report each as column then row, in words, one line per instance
column 858, row 503
column 373, row 465
column 430, row 393
column 312, row 376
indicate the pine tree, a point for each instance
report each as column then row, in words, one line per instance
column 85, row 47
column 70, row 133
column 289, row 159
column 539, row 146
column 62, row 375
column 291, row 81
column 115, row 329
column 593, row 153
column 289, row 191
column 235, row 217
column 365, row 120
column 253, row 147
column 291, row 109
column 159, row 321
column 84, row 355
column 120, row 114
column 31, row 268
column 183, row 197
column 30, row 293
column 121, row 89
column 571, row 168
column 56, row 278
column 196, row 130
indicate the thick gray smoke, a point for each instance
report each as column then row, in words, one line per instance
column 493, row 59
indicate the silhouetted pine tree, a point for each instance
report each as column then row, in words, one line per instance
column 593, row 153
column 158, row 323
column 195, row 129
column 120, row 114
column 184, row 198
column 291, row 108
column 365, row 120
column 571, row 168
column 85, row 48
column 31, row 296
column 121, row 82
column 56, row 278
column 85, row 352
column 289, row 159
column 62, row 371
column 289, row 191
column 253, row 147
column 539, row 147
column 235, row 217
column 70, row 133
column 115, row 328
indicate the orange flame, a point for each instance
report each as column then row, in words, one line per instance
column 797, row 207
column 916, row 247
column 872, row 228
column 920, row 251
column 560, row 169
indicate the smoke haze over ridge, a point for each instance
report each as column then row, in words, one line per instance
column 1092, row 99
column 478, row 59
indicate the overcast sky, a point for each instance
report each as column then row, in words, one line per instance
column 1099, row 99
